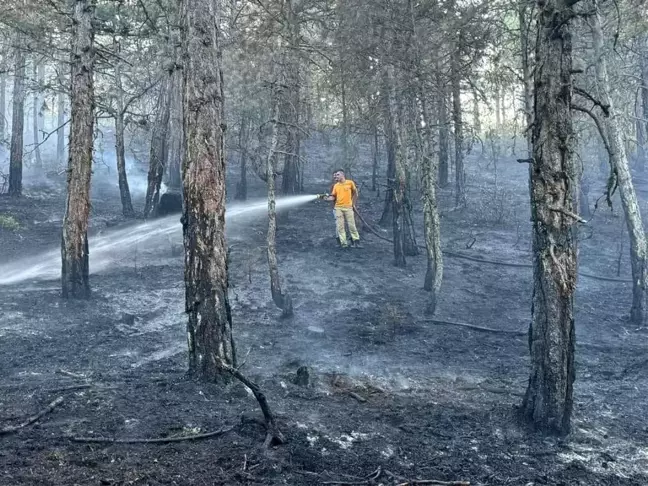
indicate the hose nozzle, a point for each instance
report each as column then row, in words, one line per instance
column 322, row 196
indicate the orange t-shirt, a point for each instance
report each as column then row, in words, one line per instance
column 343, row 192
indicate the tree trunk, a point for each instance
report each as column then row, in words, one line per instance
column 548, row 400
column 17, row 121
column 526, row 71
column 60, row 132
column 431, row 219
column 376, row 155
column 281, row 300
column 620, row 165
column 498, row 119
column 643, row 59
column 291, row 103
column 476, row 115
column 209, row 327
column 444, row 132
column 74, row 246
column 3, row 105
column 397, row 182
column 159, row 148
column 430, row 170
column 390, row 144
column 241, row 188
column 176, row 138
column 460, row 175
column 124, row 191
column 36, row 73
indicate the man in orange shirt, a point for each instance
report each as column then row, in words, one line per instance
column 345, row 194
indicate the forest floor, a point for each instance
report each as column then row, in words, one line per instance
column 392, row 391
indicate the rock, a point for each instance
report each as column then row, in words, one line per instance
column 170, row 203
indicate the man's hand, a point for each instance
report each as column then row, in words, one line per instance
column 329, row 198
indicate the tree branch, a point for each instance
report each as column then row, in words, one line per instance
column 585, row 94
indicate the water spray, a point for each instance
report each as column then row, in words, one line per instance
column 108, row 248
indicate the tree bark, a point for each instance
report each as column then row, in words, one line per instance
column 620, row 165
column 120, row 146
column 74, row 245
column 17, row 121
column 460, row 174
column 36, row 73
column 209, row 327
column 548, row 400
column 159, row 148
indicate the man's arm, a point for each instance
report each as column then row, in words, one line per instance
column 354, row 194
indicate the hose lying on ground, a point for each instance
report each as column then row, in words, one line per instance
column 482, row 260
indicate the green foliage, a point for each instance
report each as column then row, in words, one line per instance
column 9, row 222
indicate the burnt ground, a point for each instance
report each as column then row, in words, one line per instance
column 390, row 389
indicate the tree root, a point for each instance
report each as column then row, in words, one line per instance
column 159, row 440
column 491, row 262
column 34, row 418
column 274, row 435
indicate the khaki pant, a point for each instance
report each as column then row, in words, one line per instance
column 342, row 215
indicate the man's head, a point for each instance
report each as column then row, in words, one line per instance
column 338, row 176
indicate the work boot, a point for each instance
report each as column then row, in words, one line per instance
column 356, row 244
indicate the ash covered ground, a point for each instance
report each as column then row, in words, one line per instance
column 390, row 388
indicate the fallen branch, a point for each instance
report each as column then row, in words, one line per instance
column 476, row 328
column 160, row 440
column 34, row 418
column 274, row 435
column 360, row 398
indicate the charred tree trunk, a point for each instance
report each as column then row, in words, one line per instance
column 621, row 167
column 38, row 75
column 398, row 182
column 74, row 246
column 17, row 121
column 241, row 187
column 159, row 148
column 120, row 146
column 281, row 300
column 548, row 400
column 460, row 174
column 209, row 327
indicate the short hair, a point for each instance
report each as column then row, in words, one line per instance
column 338, row 170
